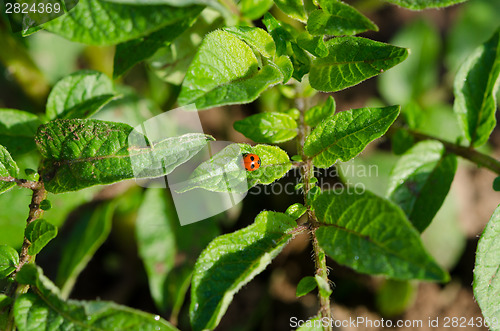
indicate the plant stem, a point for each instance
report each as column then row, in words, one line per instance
column 466, row 152
column 306, row 171
column 39, row 194
column 32, row 185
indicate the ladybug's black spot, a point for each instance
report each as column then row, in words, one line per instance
column 252, row 166
column 252, row 158
column 258, row 162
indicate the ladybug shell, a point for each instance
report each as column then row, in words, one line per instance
column 251, row 162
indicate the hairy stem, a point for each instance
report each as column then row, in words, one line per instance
column 32, row 185
column 39, row 194
column 466, row 152
column 307, row 172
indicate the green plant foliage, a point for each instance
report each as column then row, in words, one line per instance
column 293, row 8
column 171, row 63
column 254, row 9
column 418, row 73
column 420, row 181
column 256, row 38
column 39, row 233
column 82, row 153
column 315, row 115
column 17, row 129
column 306, row 285
column 79, row 95
column 346, row 134
column 313, row 44
column 394, row 297
column 296, row 210
column 401, row 141
column 114, row 23
column 476, row 84
column 270, row 128
column 323, row 286
column 9, row 259
column 134, row 51
column 8, row 168
column 46, row 307
column 313, row 324
column 352, row 60
column 226, row 71
column 224, row 171
column 371, row 235
column 424, row 4
column 175, row 3
column 338, row 19
column 88, row 234
column 156, row 241
column 231, row 261
column 486, row 271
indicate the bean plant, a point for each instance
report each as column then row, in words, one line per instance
column 215, row 54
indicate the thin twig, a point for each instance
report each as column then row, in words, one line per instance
column 32, row 185
column 466, row 152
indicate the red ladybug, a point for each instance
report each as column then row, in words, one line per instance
column 251, row 162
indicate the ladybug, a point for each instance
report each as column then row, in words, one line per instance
column 251, row 162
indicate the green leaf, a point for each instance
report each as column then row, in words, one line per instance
column 256, row 38
column 45, row 309
column 171, row 63
column 301, row 62
column 231, row 261
column 224, row 171
column 419, row 73
column 394, row 297
column 270, row 128
column 284, row 64
column 424, row 4
column 17, row 130
column 5, row 301
column 373, row 236
column 134, row 51
column 156, row 241
column 45, row 205
column 323, row 286
column 346, row 134
column 83, row 153
column 313, row 324
column 113, row 23
column 9, row 259
column 293, row 8
column 306, row 285
column 338, row 19
column 225, row 71
column 313, row 44
column 280, row 35
column 79, row 95
column 352, row 60
column 496, row 184
column 296, row 210
column 39, row 233
column 87, row 235
column 8, row 168
column 254, row 9
column 420, row 181
column 476, row 85
column 317, row 114
column 401, row 141
column 487, row 271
